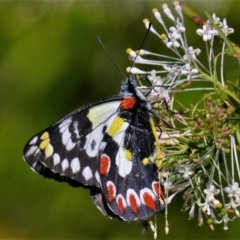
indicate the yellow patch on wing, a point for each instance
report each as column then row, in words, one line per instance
column 128, row 155
column 145, row 161
column 102, row 112
column 45, row 144
column 116, row 126
column 137, row 175
column 48, row 150
column 45, row 135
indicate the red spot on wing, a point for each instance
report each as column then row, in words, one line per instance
column 111, row 191
column 128, row 103
column 104, row 164
column 158, row 190
column 149, row 201
column 133, row 203
column 120, row 204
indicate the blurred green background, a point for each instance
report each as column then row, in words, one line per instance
column 51, row 64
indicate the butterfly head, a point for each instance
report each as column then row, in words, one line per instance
column 129, row 87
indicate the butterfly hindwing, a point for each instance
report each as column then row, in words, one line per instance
column 128, row 177
column 100, row 202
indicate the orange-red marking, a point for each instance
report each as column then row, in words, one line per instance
column 128, row 103
column 104, row 164
column 133, row 203
column 111, row 192
column 158, row 190
column 120, row 204
column 149, row 201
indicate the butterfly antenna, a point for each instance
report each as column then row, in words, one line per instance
column 100, row 42
column 141, row 46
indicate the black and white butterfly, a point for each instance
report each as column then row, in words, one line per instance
column 109, row 148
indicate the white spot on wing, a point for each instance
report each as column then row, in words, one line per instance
column 102, row 146
column 87, row 173
column 34, row 165
column 66, row 135
column 56, row 159
column 124, row 165
column 97, row 176
column 96, row 135
column 75, row 165
column 70, row 144
column 32, row 151
column 63, row 125
column 75, row 125
column 34, row 140
column 64, row 164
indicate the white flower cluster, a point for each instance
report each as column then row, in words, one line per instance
column 195, row 155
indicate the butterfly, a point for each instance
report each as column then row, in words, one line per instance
column 109, row 148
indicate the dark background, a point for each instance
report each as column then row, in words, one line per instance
column 51, row 64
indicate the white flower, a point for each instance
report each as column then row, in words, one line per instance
column 134, row 70
column 172, row 69
column 200, row 217
column 159, row 90
column 225, row 221
column 156, row 80
column 190, row 72
column 186, row 170
column 226, row 30
column 189, row 136
column 191, row 54
column 176, row 31
column 167, row 11
column 147, row 25
column 210, row 200
column 192, row 210
column 211, row 191
column 206, row 32
column 172, row 41
column 216, row 20
column 233, row 190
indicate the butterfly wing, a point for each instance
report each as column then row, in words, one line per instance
column 106, row 147
column 69, row 150
column 129, row 179
column 101, row 203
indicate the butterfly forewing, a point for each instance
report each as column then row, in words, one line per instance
column 71, row 147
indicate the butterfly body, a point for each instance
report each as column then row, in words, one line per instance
column 108, row 147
